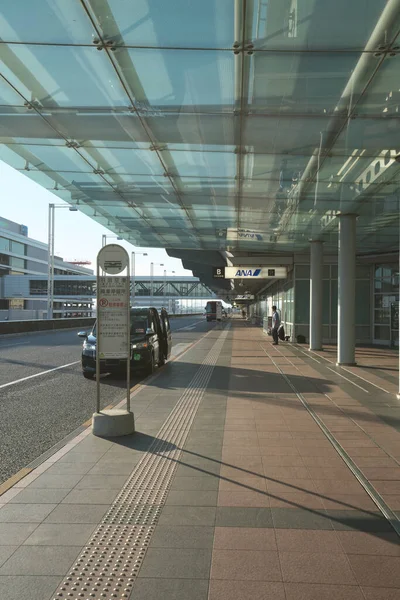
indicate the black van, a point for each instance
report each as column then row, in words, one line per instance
column 150, row 344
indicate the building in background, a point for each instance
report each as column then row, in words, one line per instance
column 21, row 255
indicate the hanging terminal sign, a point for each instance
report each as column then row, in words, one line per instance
column 247, row 272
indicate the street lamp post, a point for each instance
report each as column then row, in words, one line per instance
column 105, row 236
column 165, row 280
column 133, row 273
column 152, row 276
column 50, row 255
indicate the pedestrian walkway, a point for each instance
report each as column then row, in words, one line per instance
column 257, row 472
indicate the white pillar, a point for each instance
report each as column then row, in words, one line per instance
column 398, row 395
column 316, row 274
column 50, row 266
column 346, row 342
column 133, row 275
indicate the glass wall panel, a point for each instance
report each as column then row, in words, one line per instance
column 302, row 272
column 4, row 244
column 69, row 76
column 382, row 333
column 181, row 78
column 386, row 286
column 45, row 21
column 326, row 301
column 302, row 302
column 382, row 315
column 18, row 248
column 17, row 263
column 308, row 82
column 363, row 304
column 334, row 301
column 314, row 25
column 178, row 23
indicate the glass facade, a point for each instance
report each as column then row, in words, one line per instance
column 292, row 298
column 386, row 299
column 4, row 244
column 330, row 302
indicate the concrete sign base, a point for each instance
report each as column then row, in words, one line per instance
column 113, row 423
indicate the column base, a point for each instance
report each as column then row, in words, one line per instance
column 113, row 423
column 398, row 396
column 346, row 364
column 315, row 349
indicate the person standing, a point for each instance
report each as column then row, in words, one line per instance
column 276, row 321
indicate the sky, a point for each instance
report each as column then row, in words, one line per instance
column 77, row 236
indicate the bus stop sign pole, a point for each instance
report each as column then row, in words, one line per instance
column 113, row 340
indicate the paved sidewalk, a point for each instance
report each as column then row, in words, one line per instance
column 230, row 489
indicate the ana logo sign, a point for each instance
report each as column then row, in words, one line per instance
column 244, row 272
column 240, row 234
column 249, row 235
column 248, row 273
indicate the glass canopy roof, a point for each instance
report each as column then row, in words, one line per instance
column 181, row 123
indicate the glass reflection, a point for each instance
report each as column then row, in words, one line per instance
column 198, row 80
column 176, row 23
column 315, row 24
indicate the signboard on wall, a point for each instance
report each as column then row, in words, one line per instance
column 234, row 234
column 263, row 272
column 394, row 316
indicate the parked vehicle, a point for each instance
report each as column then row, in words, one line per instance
column 214, row 310
column 150, row 344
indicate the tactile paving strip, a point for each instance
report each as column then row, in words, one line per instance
column 107, row 567
column 121, row 535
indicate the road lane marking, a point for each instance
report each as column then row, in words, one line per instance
column 38, row 374
column 188, row 327
column 17, row 344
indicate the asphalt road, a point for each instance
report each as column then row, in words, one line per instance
column 43, row 395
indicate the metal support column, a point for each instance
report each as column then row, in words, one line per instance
column 346, row 342
column 398, row 395
column 133, row 275
column 50, row 263
column 316, row 273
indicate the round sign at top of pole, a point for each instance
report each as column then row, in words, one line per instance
column 113, row 259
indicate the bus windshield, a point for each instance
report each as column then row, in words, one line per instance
column 211, row 307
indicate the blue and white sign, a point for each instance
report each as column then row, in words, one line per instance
column 255, row 272
column 240, row 235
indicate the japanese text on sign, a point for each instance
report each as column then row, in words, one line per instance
column 112, row 309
